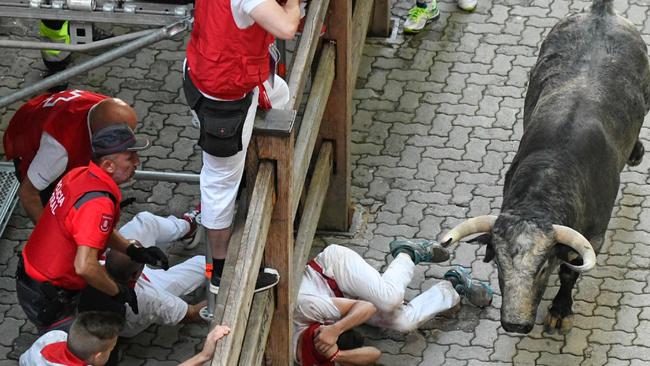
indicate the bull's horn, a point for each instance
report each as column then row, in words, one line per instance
column 567, row 236
column 480, row 224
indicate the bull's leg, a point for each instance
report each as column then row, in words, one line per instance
column 637, row 154
column 560, row 313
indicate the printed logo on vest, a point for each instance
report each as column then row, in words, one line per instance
column 106, row 223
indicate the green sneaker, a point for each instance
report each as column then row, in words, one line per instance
column 420, row 250
column 478, row 293
column 419, row 17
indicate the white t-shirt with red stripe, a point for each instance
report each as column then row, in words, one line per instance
column 50, row 349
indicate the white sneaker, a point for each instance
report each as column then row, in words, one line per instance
column 467, row 5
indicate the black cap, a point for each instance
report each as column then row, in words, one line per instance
column 116, row 138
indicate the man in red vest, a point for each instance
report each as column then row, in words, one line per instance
column 61, row 256
column 228, row 65
column 90, row 341
column 50, row 135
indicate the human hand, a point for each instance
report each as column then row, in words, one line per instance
column 126, row 295
column 211, row 340
column 326, row 336
column 151, row 255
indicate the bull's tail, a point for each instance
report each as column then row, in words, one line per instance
column 602, row 7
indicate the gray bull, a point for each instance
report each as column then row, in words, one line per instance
column 586, row 100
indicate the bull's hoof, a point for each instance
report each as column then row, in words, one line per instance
column 637, row 154
column 558, row 323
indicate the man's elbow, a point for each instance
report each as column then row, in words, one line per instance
column 82, row 269
column 288, row 30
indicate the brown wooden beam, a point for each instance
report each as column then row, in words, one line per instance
column 304, row 55
column 380, row 25
column 236, row 290
column 311, row 121
column 257, row 330
column 361, row 18
column 320, row 181
column 279, row 245
column 337, row 120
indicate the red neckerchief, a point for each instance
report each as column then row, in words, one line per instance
column 330, row 281
column 59, row 353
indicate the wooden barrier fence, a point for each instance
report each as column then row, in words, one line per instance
column 278, row 161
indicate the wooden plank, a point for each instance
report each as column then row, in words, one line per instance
column 380, row 25
column 337, row 120
column 257, row 331
column 279, row 246
column 305, row 52
column 311, row 213
column 311, row 121
column 236, row 294
column 361, row 18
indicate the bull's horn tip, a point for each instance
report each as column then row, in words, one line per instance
column 446, row 243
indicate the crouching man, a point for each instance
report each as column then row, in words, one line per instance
column 340, row 291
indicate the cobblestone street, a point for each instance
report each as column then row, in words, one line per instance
column 437, row 120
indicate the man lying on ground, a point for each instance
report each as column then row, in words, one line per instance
column 339, row 291
column 157, row 291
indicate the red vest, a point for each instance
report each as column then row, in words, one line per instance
column 226, row 62
column 50, row 251
column 63, row 115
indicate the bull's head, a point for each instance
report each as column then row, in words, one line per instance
column 524, row 254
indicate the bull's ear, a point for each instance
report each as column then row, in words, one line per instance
column 489, row 250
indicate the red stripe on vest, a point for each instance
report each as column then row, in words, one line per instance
column 330, row 281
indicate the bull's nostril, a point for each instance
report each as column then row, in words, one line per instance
column 517, row 328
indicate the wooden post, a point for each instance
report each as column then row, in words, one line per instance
column 236, row 291
column 279, row 244
column 380, row 25
column 337, row 120
column 313, row 206
column 361, row 17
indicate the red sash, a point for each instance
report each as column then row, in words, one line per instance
column 330, row 281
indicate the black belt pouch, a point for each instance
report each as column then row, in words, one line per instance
column 222, row 122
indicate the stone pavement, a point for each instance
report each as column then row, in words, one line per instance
column 437, row 121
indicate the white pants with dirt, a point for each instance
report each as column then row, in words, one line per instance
column 220, row 177
column 150, row 229
column 158, row 291
column 358, row 280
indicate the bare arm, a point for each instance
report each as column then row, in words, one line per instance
column 87, row 266
column 192, row 315
column 354, row 312
column 281, row 21
column 358, row 356
column 30, row 199
column 208, row 347
column 117, row 241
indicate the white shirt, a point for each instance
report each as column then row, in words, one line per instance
column 49, row 163
column 33, row 357
column 241, row 10
column 51, row 159
column 314, row 305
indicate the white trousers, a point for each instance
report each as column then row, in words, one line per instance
column 150, row 229
column 220, row 177
column 357, row 279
